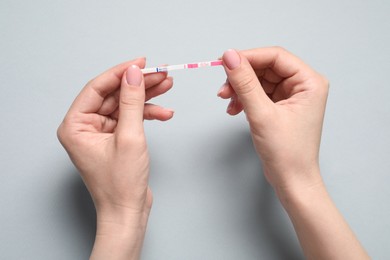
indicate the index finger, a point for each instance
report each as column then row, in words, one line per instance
column 93, row 94
column 279, row 60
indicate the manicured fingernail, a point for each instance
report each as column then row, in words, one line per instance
column 231, row 105
column 231, row 59
column 134, row 75
column 223, row 87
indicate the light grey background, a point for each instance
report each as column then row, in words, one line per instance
column 211, row 200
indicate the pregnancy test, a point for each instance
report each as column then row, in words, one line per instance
column 182, row 66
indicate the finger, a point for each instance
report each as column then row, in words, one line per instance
column 153, row 79
column 226, row 91
column 245, row 83
column 110, row 104
column 235, row 106
column 99, row 123
column 269, row 75
column 115, row 114
column 278, row 60
column 92, row 96
column 131, row 103
column 268, row 87
column 152, row 112
column 159, row 89
column 108, row 124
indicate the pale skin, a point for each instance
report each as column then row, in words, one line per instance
column 284, row 102
column 104, row 137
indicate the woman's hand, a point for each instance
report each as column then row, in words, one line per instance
column 284, row 101
column 104, row 136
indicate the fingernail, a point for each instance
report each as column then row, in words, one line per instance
column 231, row 59
column 223, row 87
column 231, row 105
column 134, row 75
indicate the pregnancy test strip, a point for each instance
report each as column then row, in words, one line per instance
column 182, row 66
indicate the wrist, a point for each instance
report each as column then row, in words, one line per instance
column 121, row 221
column 321, row 229
column 114, row 242
column 120, row 233
column 300, row 187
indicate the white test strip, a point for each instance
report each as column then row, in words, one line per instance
column 182, row 66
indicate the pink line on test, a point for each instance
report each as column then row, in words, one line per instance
column 216, row 63
column 192, row 65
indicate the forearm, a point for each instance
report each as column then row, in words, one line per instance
column 321, row 229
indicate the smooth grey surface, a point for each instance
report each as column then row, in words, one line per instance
column 211, row 200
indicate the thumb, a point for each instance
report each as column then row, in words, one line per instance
column 131, row 102
column 245, row 83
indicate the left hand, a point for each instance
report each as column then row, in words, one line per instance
column 104, row 136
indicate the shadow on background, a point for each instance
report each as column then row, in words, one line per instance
column 266, row 224
column 263, row 222
column 274, row 228
column 80, row 212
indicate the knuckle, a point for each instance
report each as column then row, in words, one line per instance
column 323, row 85
column 90, row 82
column 66, row 132
column 60, row 133
column 279, row 49
column 326, row 84
column 63, row 132
column 131, row 100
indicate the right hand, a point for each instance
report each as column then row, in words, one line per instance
column 284, row 101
